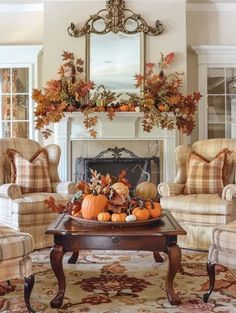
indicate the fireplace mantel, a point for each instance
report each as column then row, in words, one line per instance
column 125, row 126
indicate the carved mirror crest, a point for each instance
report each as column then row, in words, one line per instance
column 114, row 58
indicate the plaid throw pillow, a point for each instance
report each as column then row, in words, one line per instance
column 204, row 176
column 32, row 175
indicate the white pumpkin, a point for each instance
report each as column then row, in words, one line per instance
column 130, row 218
column 121, row 189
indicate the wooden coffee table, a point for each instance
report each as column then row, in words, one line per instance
column 70, row 236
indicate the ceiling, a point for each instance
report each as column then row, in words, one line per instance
column 41, row 1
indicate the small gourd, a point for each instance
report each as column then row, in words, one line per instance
column 146, row 189
column 130, row 218
column 141, row 213
column 104, row 217
column 154, row 208
column 121, row 189
column 118, row 217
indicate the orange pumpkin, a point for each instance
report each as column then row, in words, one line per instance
column 118, row 217
column 154, row 208
column 121, row 189
column 92, row 205
column 161, row 107
column 141, row 214
column 124, row 108
column 104, row 217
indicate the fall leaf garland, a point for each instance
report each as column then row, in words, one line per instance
column 161, row 100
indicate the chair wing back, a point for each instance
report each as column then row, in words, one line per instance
column 208, row 149
column 54, row 154
column 27, row 148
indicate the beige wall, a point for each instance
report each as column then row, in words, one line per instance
column 59, row 15
column 21, row 28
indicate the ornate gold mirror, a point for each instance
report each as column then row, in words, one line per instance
column 115, row 57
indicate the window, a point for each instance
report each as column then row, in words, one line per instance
column 217, row 84
column 18, row 75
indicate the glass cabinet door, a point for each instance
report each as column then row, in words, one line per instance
column 14, row 102
column 221, row 102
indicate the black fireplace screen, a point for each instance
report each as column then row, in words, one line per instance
column 115, row 164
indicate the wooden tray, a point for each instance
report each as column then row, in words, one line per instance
column 81, row 220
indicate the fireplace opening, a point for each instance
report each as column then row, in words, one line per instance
column 120, row 159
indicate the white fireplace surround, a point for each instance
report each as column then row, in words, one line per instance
column 125, row 126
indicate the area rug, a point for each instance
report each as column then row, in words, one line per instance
column 124, row 282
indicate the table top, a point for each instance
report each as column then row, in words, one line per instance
column 167, row 225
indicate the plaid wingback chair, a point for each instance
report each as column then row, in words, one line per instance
column 199, row 213
column 27, row 212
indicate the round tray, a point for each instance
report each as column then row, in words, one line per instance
column 96, row 223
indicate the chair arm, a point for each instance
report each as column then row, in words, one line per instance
column 170, row 189
column 11, row 191
column 67, row 187
column 229, row 192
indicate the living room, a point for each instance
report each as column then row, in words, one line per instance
column 117, row 178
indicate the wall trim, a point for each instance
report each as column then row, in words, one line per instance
column 25, row 7
column 211, row 7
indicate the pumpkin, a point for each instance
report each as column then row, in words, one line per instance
column 118, row 217
column 146, row 189
column 92, row 205
column 104, row 217
column 124, row 108
column 161, row 107
column 121, row 189
column 154, row 208
column 141, row 213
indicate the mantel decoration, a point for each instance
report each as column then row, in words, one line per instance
column 161, row 99
column 115, row 18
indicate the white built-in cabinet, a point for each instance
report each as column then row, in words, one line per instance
column 18, row 76
column 217, row 84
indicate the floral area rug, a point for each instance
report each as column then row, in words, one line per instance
column 124, row 282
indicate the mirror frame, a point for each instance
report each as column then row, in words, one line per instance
column 142, row 55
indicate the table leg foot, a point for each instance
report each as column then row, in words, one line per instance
column 158, row 258
column 28, row 286
column 174, row 254
column 211, row 274
column 73, row 259
column 56, row 257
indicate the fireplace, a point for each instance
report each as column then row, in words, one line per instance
column 125, row 130
column 113, row 161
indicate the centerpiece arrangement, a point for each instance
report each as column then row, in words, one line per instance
column 161, row 100
column 106, row 199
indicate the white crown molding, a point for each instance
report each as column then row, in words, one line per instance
column 215, row 54
column 211, row 7
column 24, row 7
column 19, row 54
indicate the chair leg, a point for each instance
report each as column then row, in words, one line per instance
column 29, row 284
column 211, row 274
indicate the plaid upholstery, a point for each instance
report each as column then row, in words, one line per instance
column 197, row 204
column 26, row 212
column 204, row 176
column 223, row 247
column 14, row 244
column 15, row 248
column 199, row 214
column 32, row 175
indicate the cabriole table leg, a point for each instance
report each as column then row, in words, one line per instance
column 174, row 254
column 56, row 257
